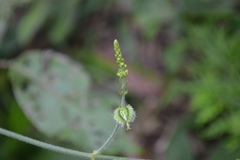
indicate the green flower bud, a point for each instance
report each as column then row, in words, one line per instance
column 125, row 115
column 122, row 72
column 116, row 44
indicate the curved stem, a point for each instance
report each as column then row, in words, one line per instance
column 58, row 149
column 108, row 140
column 42, row 144
column 116, row 126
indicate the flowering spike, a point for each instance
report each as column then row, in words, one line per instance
column 122, row 71
column 124, row 115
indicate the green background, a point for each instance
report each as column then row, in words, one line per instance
column 61, row 86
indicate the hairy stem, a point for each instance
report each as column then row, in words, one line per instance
column 82, row 155
column 111, row 137
column 108, row 140
column 42, row 144
column 124, row 93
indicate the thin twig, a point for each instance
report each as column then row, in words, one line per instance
column 42, row 144
column 108, row 140
column 58, row 149
column 111, row 137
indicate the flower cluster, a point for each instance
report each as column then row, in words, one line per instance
column 122, row 71
column 124, row 115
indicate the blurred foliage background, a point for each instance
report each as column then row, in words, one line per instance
column 61, row 87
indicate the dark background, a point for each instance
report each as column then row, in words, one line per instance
column 184, row 71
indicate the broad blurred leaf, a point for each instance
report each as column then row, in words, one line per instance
column 47, row 89
column 54, row 93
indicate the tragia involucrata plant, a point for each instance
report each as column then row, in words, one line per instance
column 124, row 115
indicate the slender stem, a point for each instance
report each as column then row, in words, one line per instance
column 123, row 95
column 42, row 144
column 24, row 72
column 58, row 149
column 116, row 126
column 108, row 140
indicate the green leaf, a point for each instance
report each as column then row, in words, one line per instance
column 32, row 21
column 48, row 88
column 64, row 20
